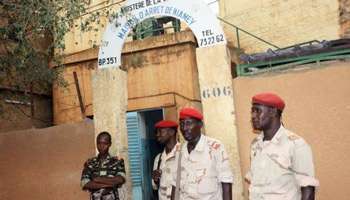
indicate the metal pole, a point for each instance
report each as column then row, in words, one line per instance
column 82, row 107
column 237, row 35
column 246, row 32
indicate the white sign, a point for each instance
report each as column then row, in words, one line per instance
column 195, row 13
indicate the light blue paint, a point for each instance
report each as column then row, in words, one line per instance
column 135, row 154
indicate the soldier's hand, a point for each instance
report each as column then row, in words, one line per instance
column 119, row 158
column 156, row 174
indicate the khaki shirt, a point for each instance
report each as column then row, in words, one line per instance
column 203, row 170
column 167, row 166
column 280, row 167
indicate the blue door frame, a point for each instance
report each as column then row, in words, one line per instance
column 135, row 154
column 142, row 149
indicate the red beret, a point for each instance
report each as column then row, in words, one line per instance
column 269, row 99
column 190, row 112
column 166, row 124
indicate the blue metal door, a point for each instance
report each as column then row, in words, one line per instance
column 142, row 150
column 135, row 154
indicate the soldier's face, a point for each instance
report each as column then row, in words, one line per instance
column 190, row 129
column 103, row 144
column 164, row 135
column 261, row 116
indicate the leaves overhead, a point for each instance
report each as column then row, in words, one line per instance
column 30, row 32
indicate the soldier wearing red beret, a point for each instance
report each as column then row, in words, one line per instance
column 163, row 166
column 203, row 168
column 281, row 161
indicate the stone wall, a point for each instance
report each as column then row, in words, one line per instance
column 282, row 23
column 16, row 111
column 344, row 19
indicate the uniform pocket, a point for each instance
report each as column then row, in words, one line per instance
column 280, row 159
column 168, row 192
column 207, row 185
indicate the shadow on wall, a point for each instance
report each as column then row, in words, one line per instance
column 44, row 164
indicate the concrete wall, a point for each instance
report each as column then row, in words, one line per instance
column 16, row 115
column 215, row 82
column 317, row 108
column 282, row 23
column 344, row 20
column 44, row 164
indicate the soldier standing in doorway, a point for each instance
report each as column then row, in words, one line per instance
column 164, row 163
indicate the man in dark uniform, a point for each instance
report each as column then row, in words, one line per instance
column 103, row 174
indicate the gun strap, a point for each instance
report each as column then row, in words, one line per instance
column 159, row 161
column 178, row 177
column 158, row 166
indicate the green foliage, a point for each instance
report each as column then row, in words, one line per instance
column 32, row 43
column 30, row 32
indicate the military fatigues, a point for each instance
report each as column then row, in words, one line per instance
column 167, row 166
column 203, row 170
column 109, row 167
column 280, row 167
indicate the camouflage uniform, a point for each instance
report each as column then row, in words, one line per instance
column 108, row 167
column 203, row 170
column 280, row 167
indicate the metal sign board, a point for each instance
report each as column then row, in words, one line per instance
column 195, row 13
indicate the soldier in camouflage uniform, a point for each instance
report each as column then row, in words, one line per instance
column 103, row 175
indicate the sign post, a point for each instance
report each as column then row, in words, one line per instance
column 215, row 83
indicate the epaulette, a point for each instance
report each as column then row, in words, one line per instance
column 255, row 140
column 292, row 136
column 214, row 144
column 90, row 161
column 177, row 147
column 93, row 159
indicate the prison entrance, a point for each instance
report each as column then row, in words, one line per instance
column 142, row 149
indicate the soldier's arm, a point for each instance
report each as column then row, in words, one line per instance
column 304, row 169
column 223, row 167
column 308, row 193
column 226, row 191
column 115, row 181
column 110, row 181
column 156, row 173
column 173, row 188
column 92, row 185
column 87, row 181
